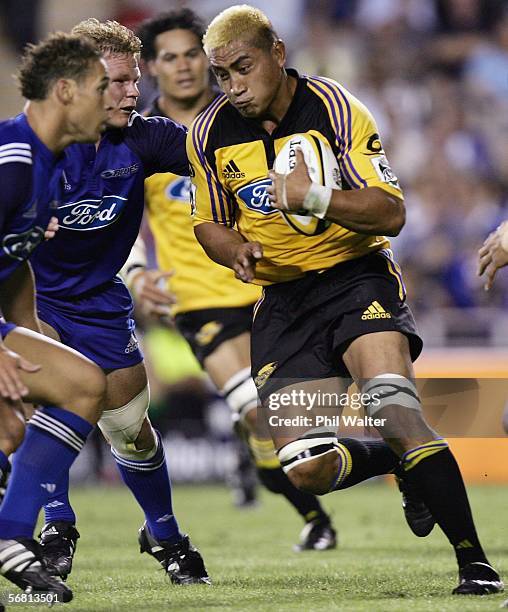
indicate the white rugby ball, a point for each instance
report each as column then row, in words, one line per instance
column 323, row 169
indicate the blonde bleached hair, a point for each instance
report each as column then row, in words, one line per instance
column 240, row 22
column 109, row 36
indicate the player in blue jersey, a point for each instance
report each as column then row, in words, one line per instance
column 64, row 80
column 84, row 304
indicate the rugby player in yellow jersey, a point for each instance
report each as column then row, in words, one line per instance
column 213, row 310
column 328, row 279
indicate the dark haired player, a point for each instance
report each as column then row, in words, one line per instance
column 64, row 80
column 83, row 303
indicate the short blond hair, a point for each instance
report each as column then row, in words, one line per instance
column 240, row 22
column 109, row 36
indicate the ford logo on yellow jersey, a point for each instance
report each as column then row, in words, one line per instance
column 255, row 196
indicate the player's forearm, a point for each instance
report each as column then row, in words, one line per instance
column 220, row 243
column 367, row 211
column 17, row 298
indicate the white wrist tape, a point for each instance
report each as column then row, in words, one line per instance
column 317, row 200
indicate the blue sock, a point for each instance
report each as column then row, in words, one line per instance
column 149, row 482
column 53, row 439
column 59, row 507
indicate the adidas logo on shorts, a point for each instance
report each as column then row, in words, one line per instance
column 375, row 311
column 132, row 345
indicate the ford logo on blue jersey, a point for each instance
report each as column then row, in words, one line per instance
column 88, row 215
column 179, row 189
column 256, row 198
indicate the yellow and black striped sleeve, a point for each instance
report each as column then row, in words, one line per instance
column 211, row 203
column 361, row 157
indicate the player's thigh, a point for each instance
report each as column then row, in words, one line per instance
column 229, row 358
column 378, row 353
column 303, row 409
column 124, row 384
column 66, row 377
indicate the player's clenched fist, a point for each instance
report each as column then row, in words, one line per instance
column 247, row 255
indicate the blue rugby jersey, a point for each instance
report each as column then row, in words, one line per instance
column 102, row 205
column 29, row 192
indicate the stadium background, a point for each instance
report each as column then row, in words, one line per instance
column 435, row 75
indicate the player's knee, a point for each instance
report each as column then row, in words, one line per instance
column 87, row 397
column 146, row 437
column 241, row 395
column 128, row 429
column 311, row 464
column 392, row 390
column 314, row 476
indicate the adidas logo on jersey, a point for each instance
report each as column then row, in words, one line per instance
column 375, row 311
column 232, row 171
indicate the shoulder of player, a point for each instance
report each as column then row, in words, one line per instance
column 335, row 97
column 15, row 144
column 139, row 125
column 208, row 122
column 16, row 170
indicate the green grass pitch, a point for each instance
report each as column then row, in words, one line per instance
column 378, row 565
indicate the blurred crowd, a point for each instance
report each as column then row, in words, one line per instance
column 435, row 75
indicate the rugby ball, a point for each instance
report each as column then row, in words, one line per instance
column 323, row 169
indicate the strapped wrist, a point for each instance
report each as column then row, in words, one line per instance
column 317, row 200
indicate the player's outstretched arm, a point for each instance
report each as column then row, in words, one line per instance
column 228, row 248
column 368, row 211
column 493, row 254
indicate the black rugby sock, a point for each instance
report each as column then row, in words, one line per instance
column 438, row 480
column 362, row 459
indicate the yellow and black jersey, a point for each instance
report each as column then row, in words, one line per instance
column 198, row 282
column 231, row 157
